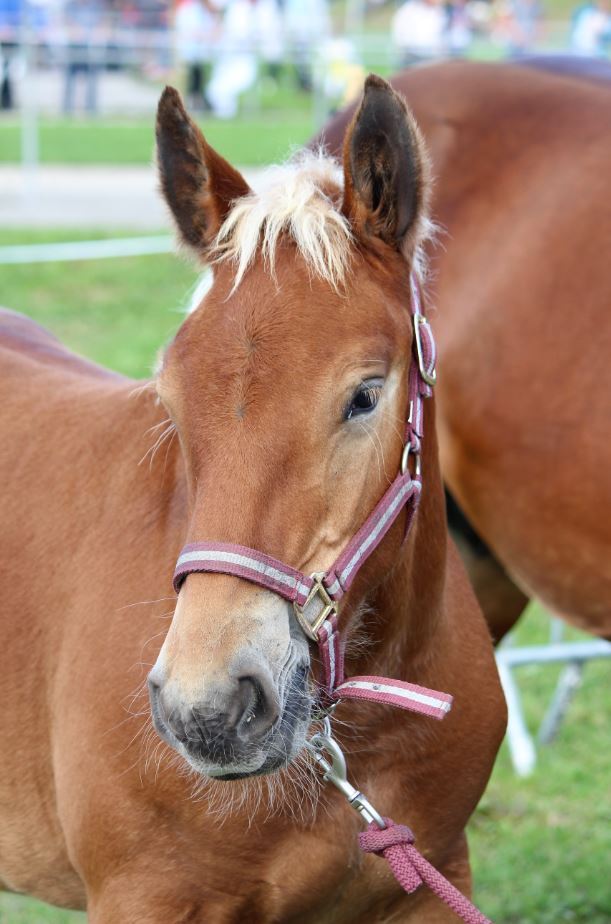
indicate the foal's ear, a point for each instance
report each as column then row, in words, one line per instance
column 385, row 170
column 197, row 183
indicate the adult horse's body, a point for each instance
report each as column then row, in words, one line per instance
column 522, row 286
column 288, row 393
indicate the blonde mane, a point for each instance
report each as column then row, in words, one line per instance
column 300, row 199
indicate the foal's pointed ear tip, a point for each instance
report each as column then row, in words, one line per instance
column 170, row 102
column 374, row 82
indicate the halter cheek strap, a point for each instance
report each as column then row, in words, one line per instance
column 316, row 597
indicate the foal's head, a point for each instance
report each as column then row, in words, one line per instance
column 287, row 387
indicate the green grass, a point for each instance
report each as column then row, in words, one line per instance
column 249, row 141
column 118, row 312
column 273, row 120
column 540, row 846
column 17, row 910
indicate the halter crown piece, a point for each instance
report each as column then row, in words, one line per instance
column 316, row 597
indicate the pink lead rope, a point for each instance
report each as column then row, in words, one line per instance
column 396, row 844
column 315, row 601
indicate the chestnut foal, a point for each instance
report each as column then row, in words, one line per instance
column 287, row 390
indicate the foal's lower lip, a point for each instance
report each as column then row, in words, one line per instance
column 227, row 777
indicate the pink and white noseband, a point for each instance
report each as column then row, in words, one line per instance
column 316, row 597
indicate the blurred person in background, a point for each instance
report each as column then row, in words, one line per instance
column 196, row 29
column 307, row 24
column 419, row 30
column 458, row 27
column 481, row 15
column 84, row 27
column 11, row 12
column 151, row 17
column 340, row 72
column 15, row 17
column 591, row 29
column 252, row 32
column 519, row 25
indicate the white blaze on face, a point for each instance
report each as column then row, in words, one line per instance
column 210, row 636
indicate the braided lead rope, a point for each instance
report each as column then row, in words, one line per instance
column 396, row 844
column 385, row 838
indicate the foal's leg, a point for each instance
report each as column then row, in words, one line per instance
column 164, row 896
column 125, row 902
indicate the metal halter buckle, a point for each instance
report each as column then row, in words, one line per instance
column 407, row 449
column 429, row 377
column 329, row 607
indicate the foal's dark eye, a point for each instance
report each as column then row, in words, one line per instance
column 364, row 399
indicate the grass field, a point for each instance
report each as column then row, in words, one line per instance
column 540, row 847
column 252, row 142
column 270, row 124
column 268, row 128
column 279, row 119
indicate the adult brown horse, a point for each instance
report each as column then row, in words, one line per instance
column 522, row 287
column 287, row 389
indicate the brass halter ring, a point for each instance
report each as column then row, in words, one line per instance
column 329, row 607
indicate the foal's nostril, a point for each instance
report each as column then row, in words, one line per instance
column 257, row 707
column 236, row 717
column 164, row 719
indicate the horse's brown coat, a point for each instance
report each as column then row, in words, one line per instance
column 522, row 287
column 90, row 817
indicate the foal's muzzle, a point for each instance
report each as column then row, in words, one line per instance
column 241, row 729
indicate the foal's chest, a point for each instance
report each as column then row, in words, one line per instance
column 320, row 876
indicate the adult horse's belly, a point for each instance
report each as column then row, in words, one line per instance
column 524, row 403
column 521, row 284
column 523, row 293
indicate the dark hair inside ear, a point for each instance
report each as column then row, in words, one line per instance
column 383, row 164
column 198, row 184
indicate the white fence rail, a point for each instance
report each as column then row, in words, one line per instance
column 86, row 250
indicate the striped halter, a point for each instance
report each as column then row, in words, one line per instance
column 316, row 597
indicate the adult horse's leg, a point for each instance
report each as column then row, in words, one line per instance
column 502, row 602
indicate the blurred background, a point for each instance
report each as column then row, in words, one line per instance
column 86, row 249
column 79, row 79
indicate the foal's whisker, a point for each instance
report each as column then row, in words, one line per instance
column 152, row 452
column 367, row 431
column 139, row 390
column 127, row 606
